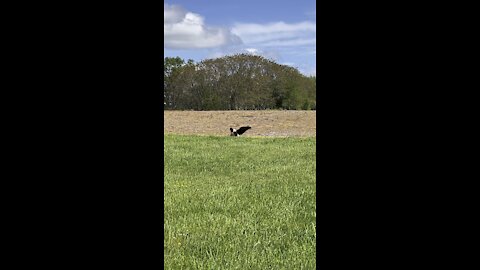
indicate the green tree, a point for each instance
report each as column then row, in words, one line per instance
column 236, row 82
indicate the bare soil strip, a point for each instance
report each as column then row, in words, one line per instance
column 270, row 123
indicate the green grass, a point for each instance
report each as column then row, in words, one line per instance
column 239, row 203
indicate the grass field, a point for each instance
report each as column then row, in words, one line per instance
column 239, row 202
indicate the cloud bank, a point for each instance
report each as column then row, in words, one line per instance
column 277, row 34
column 187, row 30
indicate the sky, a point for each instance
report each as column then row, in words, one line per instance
column 281, row 30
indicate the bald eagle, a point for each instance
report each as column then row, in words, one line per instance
column 240, row 131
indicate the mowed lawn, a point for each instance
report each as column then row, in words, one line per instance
column 239, row 202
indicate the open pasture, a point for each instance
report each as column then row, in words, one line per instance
column 238, row 202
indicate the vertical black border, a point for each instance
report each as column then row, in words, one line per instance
column 99, row 138
column 385, row 110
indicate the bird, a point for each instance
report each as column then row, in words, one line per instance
column 240, row 131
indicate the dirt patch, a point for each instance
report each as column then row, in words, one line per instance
column 263, row 123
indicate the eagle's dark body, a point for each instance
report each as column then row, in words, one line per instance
column 240, row 131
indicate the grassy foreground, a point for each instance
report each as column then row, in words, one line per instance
column 239, row 203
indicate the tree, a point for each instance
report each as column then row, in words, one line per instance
column 236, row 82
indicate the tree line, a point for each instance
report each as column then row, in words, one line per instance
column 236, row 82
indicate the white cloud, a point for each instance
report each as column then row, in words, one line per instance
column 187, row 30
column 291, row 42
column 173, row 14
column 278, row 27
column 277, row 33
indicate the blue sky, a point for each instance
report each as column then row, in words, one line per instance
column 282, row 30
